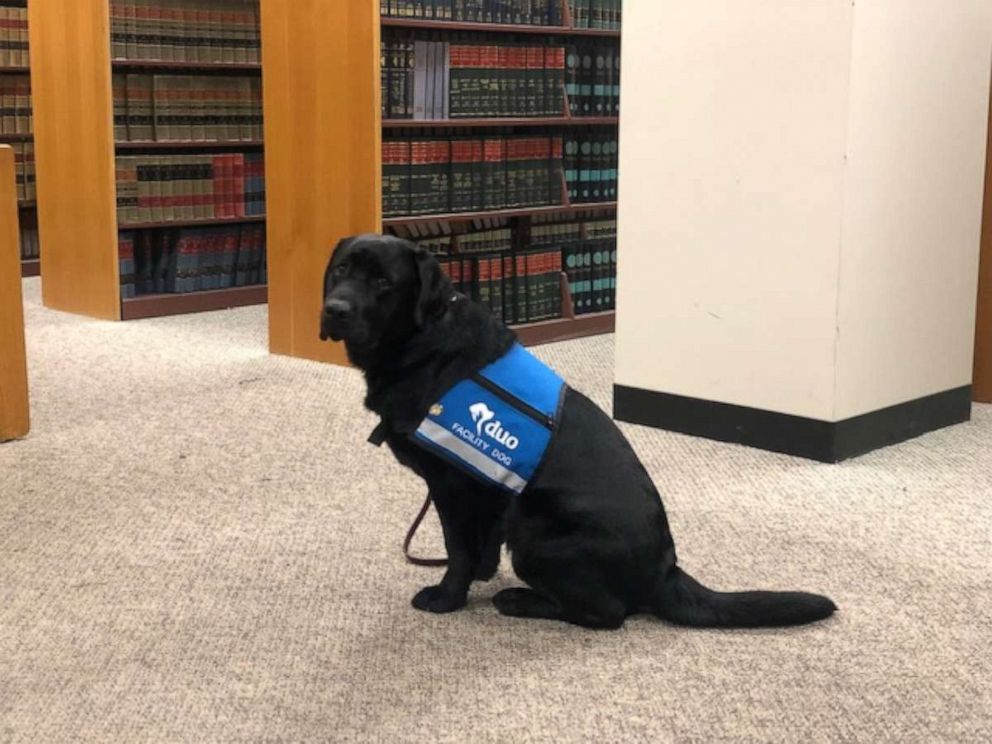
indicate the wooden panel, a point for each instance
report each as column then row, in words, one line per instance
column 320, row 67
column 73, row 133
column 982, row 390
column 159, row 305
column 14, row 419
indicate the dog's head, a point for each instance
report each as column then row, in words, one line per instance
column 380, row 289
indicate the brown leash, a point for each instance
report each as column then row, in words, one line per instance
column 431, row 562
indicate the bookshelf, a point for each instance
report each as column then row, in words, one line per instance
column 14, row 415
column 15, row 93
column 82, row 54
column 324, row 163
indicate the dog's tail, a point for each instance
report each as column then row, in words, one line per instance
column 681, row 599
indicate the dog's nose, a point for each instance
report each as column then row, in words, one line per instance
column 338, row 309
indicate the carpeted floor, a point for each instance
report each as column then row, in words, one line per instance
column 197, row 544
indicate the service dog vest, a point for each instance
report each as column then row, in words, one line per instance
column 497, row 424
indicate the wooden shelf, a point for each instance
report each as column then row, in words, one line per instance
column 159, row 305
column 14, row 405
column 30, row 267
column 27, row 204
column 202, row 222
column 564, row 329
column 500, row 28
column 122, row 65
column 15, row 70
column 500, row 213
column 187, row 145
column 553, row 121
column 5, row 138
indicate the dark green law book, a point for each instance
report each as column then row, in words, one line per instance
column 609, row 160
column 496, row 274
column 573, row 65
column 595, row 169
column 608, row 75
column 613, row 274
column 406, row 86
column 443, row 9
column 600, row 80
column 585, row 170
column 537, row 13
column 385, row 63
column 494, row 173
column 587, row 277
column 571, row 166
column 509, row 290
column 587, row 76
column 615, row 97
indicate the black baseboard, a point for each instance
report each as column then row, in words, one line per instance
column 792, row 435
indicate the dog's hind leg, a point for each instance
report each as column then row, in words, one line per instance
column 562, row 591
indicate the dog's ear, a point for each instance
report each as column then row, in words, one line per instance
column 435, row 287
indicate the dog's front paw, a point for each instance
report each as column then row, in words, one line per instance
column 437, row 599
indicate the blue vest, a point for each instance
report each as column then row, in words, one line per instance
column 497, row 425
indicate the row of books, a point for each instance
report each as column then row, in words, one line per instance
column 592, row 78
column 606, row 14
column 591, row 167
column 13, row 36
column 430, row 80
column 559, row 232
column 185, row 30
column 187, row 108
column 191, row 259
column 523, row 286
column 24, row 170
column 15, row 104
column 521, row 12
column 591, row 268
column 29, row 242
column 181, row 187
column 469, row 174
column 517, row 286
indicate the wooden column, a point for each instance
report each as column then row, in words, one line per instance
column 982, row 386
column 73, row 134
column 322, row 155
column 14, row 419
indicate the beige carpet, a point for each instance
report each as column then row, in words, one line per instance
column 196, row 544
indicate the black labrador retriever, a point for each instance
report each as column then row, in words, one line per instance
column 589, row 536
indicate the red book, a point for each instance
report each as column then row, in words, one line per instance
column 222, row 185
column 238, row 194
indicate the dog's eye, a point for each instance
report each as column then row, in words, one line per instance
column 383, row 283
column 340, row 271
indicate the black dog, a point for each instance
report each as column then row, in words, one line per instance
column 590, row 536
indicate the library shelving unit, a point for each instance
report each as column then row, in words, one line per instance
column 324, row 125
column 14, row 415
column 13, row 71
column 72, row 74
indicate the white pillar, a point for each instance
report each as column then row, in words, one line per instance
column 800, row 209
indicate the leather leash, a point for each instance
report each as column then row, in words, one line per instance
column 430, row 562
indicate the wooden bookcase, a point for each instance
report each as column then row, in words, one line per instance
column 72, row 82
column 323, row 161
column 13, row 67
column 14, row 414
